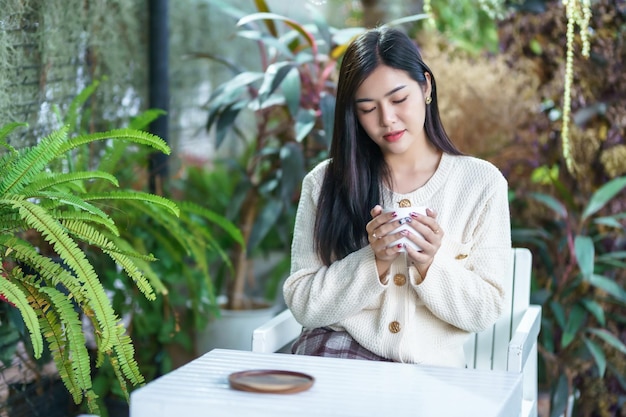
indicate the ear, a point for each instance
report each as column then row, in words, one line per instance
column 427, row 88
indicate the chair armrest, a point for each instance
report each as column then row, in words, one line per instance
column 276, row 333
column 524, row 339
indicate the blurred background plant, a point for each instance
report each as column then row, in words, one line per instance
column 279, row 113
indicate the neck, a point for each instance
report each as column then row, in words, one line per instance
column 412, row 170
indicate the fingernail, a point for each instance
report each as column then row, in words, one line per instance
column 394, row 214
column 403, row 220
column 404, row 233
column 414, row 214
column 400, row 245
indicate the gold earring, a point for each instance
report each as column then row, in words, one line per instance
column 429, row 100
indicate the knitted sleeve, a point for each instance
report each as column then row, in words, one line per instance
column 320, row 295
column 462, row 286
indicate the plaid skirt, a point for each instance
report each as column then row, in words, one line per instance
column 324, row 341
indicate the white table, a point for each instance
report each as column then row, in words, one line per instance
column 343, row 387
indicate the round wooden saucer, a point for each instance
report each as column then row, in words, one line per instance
column 270, row 381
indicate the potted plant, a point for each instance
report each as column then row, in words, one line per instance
column 182, row 245
column 47, row 217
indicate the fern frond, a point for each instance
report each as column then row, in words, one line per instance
column 6, row 131
column 52, row 329
column 73, row 256
column 136, row 196
column 84, row 217
column 93, row 237
column 10, row 221
column 144, row 266
column 125, row 352
column 119, row 375
column 136, row 136
column 143, row 120
column 67, row 199
column 32, row 161
column 92, row 403
column 109, row 162
column 214, row 218
column 72, row 327
column 71, row 117
column 15, row 295
column 52, row 180
column 51, row 272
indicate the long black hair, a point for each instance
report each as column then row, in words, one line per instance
column 352, row 184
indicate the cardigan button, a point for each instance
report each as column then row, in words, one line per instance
column 405, row 202
column 394, row 327
column 399, row 279
column 461, row 256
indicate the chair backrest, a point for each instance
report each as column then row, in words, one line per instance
column 485, row 350
column 488, row 349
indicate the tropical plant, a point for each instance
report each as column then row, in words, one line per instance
column 291, row 100
column 47, row 216
column 183, row 243
column 581, row 251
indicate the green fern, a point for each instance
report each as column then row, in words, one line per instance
column 81, row 216
column 14, row 295
column 55, row 199
column 68, row 250
column 32, row 161
column 136, row 136
column 48, row 180
column 93, row 237
column 6, row 130
column 129, row 195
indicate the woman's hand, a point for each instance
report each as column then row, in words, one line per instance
column 378, row 230
column 430, row 242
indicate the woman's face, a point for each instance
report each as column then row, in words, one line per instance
column 391, row 107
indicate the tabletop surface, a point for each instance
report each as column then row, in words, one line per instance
column 342, row 387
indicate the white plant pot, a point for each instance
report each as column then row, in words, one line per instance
column 233, row 330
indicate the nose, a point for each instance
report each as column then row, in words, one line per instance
column 386, row 115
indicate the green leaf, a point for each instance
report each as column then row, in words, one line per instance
column 603, row 195
column 274, row 76
column 560, row 397
column 551, row 202
column 610, row 221
column 608, row 285
column 609, row 338
column 559, row 313
column 585, row 255
column 595, row 309
column 598, row 355
column 407, row 19
column 265, row 221
column 14, row 295
column 293, row 170
column 132, row 135
column 292, row 89
column 575, row 320
column 327, row 106
column 304, row 123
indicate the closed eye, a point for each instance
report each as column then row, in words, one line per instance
column 401, row 100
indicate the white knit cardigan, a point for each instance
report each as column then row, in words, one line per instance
column 461, row 293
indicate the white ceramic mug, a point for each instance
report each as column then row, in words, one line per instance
column 405, row 213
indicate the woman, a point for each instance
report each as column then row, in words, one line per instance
column 356, row 292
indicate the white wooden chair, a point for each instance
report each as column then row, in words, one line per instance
column 511, row 344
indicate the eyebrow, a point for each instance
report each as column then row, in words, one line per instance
column 400, row 87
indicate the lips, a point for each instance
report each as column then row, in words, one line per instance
column 394, row 136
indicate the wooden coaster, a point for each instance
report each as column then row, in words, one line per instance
column 270, row 381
